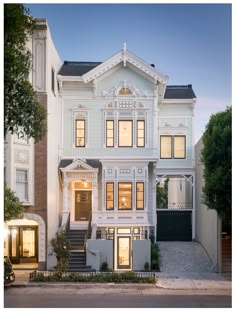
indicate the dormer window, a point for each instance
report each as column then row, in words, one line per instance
column 125, row 92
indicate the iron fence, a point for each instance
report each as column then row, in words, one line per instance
column 35, row 274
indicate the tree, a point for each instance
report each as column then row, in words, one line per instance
column 23, row 114
column 60, row 247
column 162, row 195
column 217, row 161
column 13, row 209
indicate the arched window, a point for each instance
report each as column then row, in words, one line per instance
column 125, row 91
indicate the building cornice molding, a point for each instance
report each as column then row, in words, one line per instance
column 125, row 57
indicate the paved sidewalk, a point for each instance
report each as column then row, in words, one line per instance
column 165, row 281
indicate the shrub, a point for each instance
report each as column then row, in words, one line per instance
column 146, row 266
column 155, row 257
column 104, row 267
column 60, row 248
column 126, row 277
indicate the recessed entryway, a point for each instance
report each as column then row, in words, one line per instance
column 23, row 244
column 83, row 204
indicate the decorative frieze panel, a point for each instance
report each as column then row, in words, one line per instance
column 125, row 171
column 22, row 156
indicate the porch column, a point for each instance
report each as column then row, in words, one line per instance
column 65, row 197
column 95, row 196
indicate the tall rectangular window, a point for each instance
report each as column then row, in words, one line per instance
column 22, row 184
column 166, row 147
column 173, row 147
column 140, row 196
column 53, row 80
column 125, row 196
column 80, row 133
column 110, row 196
column 179, row 147
column 140, row 133
column 125, row 133
column 109, row 133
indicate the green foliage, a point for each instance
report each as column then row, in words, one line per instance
column 162, row 195
column 13, row 209
column 217, row 161
column 104, row 267
column 146, row 266
column 111, row 277
column 60, row 248
column 155, row 256
column 22, row 112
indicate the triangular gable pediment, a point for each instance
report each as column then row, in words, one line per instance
column 126, row 58
column 78, row 165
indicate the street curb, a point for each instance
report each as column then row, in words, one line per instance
column 86, row 285
column 113, row 286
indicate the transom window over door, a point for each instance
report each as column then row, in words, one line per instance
column 80, row 133
column 125, row 133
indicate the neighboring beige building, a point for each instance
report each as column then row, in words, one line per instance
column 31, row 169
column 209, row 225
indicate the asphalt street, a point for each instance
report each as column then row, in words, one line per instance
column 74, row 298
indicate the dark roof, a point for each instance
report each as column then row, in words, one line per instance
column 92, row 162
column 70, row 68
column 65, row 163
column 179, row 92
column 77, row 68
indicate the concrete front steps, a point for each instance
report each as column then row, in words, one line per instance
column 77, row 259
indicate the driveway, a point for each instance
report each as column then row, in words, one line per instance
column 183, row 257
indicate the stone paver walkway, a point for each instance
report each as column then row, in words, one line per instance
column 180, row 257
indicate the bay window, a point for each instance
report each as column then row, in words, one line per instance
column 125, row 196
column 140, row 133
column 125, row 133
column 110, row 196
column 109, row 133
column 140, row 196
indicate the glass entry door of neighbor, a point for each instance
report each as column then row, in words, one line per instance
column 123, row 253
column 23, row 244
column 83, row 204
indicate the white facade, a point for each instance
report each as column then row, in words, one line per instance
column 115, row 129
column 97, row 103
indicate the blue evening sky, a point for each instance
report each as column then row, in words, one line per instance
column 191, row 43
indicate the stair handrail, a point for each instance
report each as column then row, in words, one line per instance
column 88, row 234
column 89, row 226
column 67, row 226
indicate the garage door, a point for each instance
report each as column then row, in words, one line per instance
column 174, row 225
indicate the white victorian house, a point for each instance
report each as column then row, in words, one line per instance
column 116, row 167
column 123, row 131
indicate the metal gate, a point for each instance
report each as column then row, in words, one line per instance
column 174, row 225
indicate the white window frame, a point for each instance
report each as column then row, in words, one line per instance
column 26, row 184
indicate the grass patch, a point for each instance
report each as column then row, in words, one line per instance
column 111, row 277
